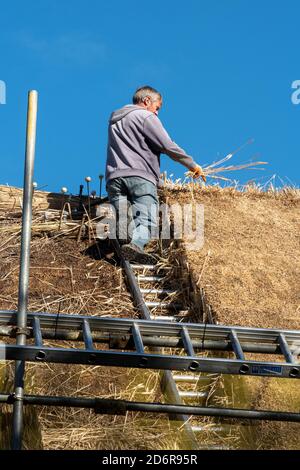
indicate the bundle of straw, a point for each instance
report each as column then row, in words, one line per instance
column 214, row 168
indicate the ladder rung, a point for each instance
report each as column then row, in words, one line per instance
column 38, row 339
column 236, row 345
column 163, row 318
column 190, row 378
column 87, row 335
column 150, row 278
column 167, row 305
column 137, row 338
column 285, row 349
column 210, row 428
column 187, row 341
column 188, row 394
column 150, row 267
column 159, row 291
column 212, row 447
column 182, row 313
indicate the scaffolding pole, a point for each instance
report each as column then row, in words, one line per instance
column 24, row 268
column 121, row 407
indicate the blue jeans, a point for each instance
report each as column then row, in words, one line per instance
column 138, row 196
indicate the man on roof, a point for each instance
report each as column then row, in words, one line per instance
column 136, row 138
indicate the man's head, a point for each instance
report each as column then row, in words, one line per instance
column 148, row 98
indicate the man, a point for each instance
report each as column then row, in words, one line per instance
column 136, row 138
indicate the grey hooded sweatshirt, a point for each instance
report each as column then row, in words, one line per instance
column 136, row 138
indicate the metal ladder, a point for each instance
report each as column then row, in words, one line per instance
column 129, row 343
column 188, row 388
column 169, row 386
column 162, row 307
column 130, row 338
column 160, row 310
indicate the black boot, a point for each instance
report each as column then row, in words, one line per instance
column 135, row 254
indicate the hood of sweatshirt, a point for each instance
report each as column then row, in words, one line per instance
column 120, row 113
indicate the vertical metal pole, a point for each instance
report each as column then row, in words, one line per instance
column 101, row 179
column 24, row 267
column 89, row 198
column 80, row 205
column 88, row 179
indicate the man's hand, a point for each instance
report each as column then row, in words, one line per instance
column 197, row 172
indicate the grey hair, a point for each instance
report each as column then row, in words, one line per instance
column 144, row 91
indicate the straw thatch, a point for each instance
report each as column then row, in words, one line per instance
column 75, row 277
column 248, row 270
column 251, row 246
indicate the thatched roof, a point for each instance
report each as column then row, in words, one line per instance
column 249, row 269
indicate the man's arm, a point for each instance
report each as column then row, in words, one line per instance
column 158, row 136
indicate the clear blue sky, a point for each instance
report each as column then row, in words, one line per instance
column 224, row 67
